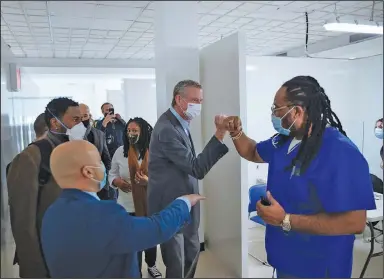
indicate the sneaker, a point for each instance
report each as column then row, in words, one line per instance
column 154, row 272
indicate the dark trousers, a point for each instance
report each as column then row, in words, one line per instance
column 150, row 255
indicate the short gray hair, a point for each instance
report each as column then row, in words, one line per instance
column 181, row 85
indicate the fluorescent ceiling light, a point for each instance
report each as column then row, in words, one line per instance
column 355, row 27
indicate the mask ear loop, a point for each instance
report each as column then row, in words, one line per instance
column 94, row 167
column 59, row 122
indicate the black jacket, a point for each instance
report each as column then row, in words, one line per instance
column 97, row 138
column 114, row 134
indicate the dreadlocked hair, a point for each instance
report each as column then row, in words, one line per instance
column 306, row 92
column 144, row 137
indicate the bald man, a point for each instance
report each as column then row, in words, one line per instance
column 83, row 236
column 97, row 138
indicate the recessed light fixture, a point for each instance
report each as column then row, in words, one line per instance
column 368, row 27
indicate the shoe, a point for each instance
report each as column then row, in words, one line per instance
column 154, row 272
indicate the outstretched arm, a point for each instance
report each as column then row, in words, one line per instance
column 140, row 233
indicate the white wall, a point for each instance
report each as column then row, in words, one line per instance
column 140, row 99
column 369, row 106
column 222, row 75
column 349, row 84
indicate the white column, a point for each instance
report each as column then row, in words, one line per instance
column 140, row 99
column 177, row 58
column 176, row 47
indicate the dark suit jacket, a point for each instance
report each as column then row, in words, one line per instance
column 174, row 168
column 83, row 237
column 28, row 201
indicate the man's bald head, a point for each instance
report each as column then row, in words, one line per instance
column 84, row 111
column 77, row 164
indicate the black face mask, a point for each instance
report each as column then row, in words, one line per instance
column 133, row 139
column 86, row 123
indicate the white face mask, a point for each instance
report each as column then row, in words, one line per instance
column 77, row 132
column 193, row 110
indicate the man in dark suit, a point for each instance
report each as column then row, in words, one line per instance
column 97, row 138
column 174, row 170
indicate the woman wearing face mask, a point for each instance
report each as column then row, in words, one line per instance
column 129, row 173
column 380, row 135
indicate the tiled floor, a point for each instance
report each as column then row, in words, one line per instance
column 209, row 267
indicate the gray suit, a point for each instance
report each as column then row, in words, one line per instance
column 174, row 171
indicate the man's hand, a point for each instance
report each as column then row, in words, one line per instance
column 273, row 214
column 117, row 116
column 233, row 125
column 220, row 129
column 107, row 119
column 194, row 198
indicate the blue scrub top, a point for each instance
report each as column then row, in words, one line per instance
column 336, row 181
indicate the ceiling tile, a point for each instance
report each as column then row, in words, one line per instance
column 237, row 13
column 63, row 22
column 43, row 19
column 74, row 9
column 250, row 7
column 141, row 25
column 14, row 10
column 117, row 13
column 227, row 19
column 33, row 5
column 229, row 5
column 218, row 12
column 104, row 24
column 37, row 12
column 14, row 18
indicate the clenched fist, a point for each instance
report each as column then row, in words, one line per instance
column 232, row 124
column 219, row 122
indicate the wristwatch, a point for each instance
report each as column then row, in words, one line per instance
column 286, row 224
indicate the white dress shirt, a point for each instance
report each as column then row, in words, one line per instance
column 119, row 169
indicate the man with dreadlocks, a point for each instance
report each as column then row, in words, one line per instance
column 319, row 186
column 129, row 173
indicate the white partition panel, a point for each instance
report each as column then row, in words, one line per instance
column 222, row 74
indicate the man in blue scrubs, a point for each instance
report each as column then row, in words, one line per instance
column 83, row 237
column 319, row 186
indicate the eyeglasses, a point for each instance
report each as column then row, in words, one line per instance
column 275, row 108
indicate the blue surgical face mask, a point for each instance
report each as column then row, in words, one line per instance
column 379, row 133
column 277, row 124
column 102, row 182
